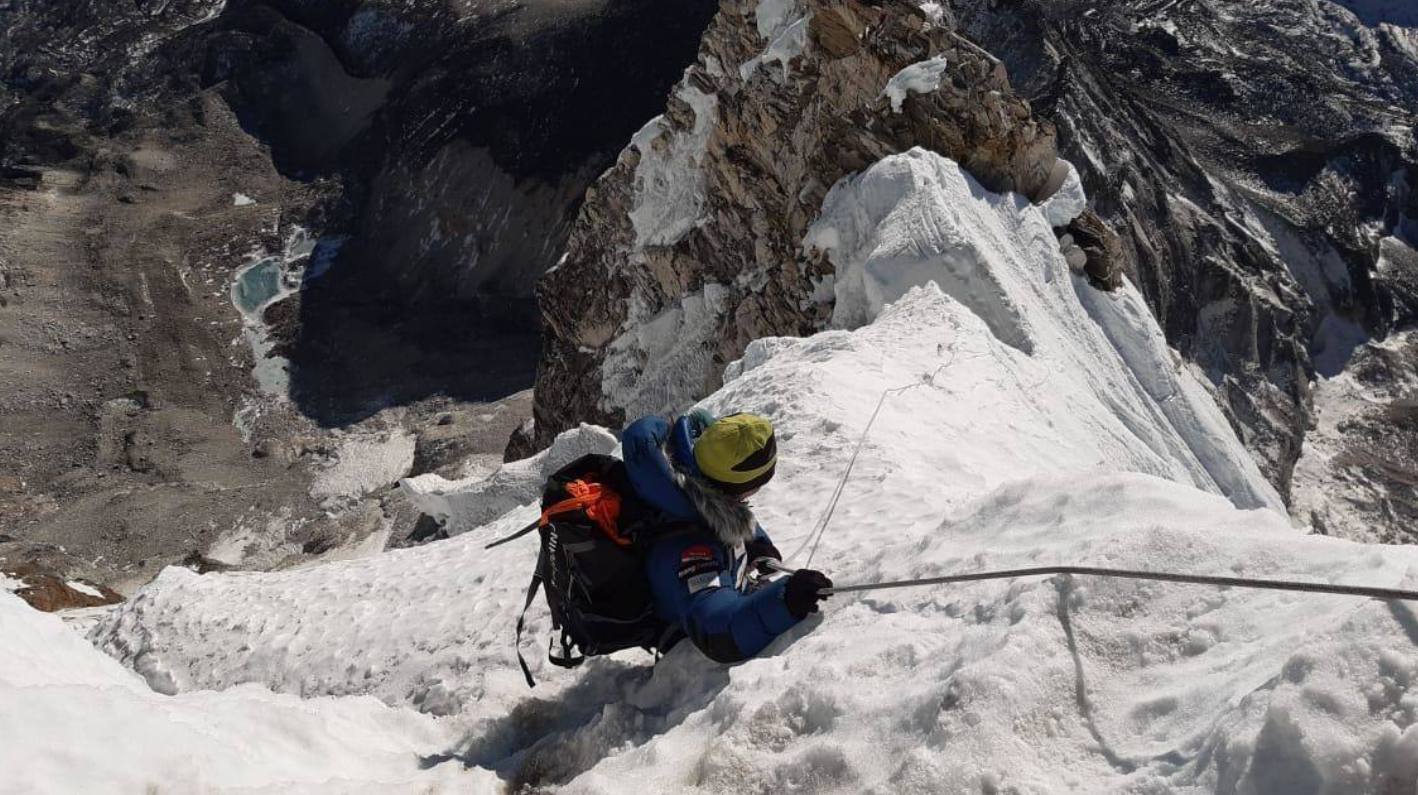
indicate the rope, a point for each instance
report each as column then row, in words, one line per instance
column 1162, row 576
column 820, row 529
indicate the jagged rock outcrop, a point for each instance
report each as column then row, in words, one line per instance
column 1104, row 259
column 1357, row 476
column 691, row 246
column 1259, row 161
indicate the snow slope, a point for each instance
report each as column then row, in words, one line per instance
column 1080, row 368
column 74, row 720
column 1045, row 427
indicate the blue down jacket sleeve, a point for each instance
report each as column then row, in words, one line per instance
column 642, row 448
column 692, row 581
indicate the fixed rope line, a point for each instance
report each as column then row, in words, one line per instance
column 820, row 529
column 817, row 532
column 1130, row 574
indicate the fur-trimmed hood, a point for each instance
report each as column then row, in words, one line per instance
column 730, row 518
column 669, row 484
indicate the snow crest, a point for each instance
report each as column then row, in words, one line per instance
column 1066, row 348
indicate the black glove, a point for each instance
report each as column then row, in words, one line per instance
column 803, row 592
column 759, row 551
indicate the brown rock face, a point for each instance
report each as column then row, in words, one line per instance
column 49, row 593
column 690, row 246
column 1103, row 247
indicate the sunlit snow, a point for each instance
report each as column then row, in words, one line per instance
column 1046, row 422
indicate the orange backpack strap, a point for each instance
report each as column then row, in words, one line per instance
column 600, row 503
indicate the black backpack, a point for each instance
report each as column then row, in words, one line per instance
column 592, row 564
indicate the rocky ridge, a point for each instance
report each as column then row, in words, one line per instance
column 690, row 246
column 1263, row 201
column 1259, row 162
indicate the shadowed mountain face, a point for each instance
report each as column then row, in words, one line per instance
column 148, row 147
column 465, row 140
column 1258, row 159
column 453, row 142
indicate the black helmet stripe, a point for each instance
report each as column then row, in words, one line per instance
column 761, row 457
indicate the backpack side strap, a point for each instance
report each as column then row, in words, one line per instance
column 529, row 528
column 532, row 589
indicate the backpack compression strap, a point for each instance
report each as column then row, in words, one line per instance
column 599, row 502
column 529, row 528
column 532, row 589
column 567, row 658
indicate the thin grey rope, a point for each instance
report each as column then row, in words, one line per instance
column 816, row 535
column 1162, row 576
column 820, row 529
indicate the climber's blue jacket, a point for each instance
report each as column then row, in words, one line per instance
column 697, row 564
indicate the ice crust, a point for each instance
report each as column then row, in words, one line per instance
column 74, row 720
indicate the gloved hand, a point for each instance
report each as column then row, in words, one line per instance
column 803, row 592
column 760, row 551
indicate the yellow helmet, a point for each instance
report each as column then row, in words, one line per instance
column 737, row 453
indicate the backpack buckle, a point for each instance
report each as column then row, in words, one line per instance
column 568, row 658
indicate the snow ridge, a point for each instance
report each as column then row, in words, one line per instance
column 917, row 217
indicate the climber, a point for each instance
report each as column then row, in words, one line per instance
column 698, row 474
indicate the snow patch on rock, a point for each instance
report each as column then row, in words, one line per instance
column 918, row 78
column 364, row 464
column 85, row 589
column 933, row 11
column 784, row 25
column 669, row 180
column 1331, row 490
column 661, row 362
